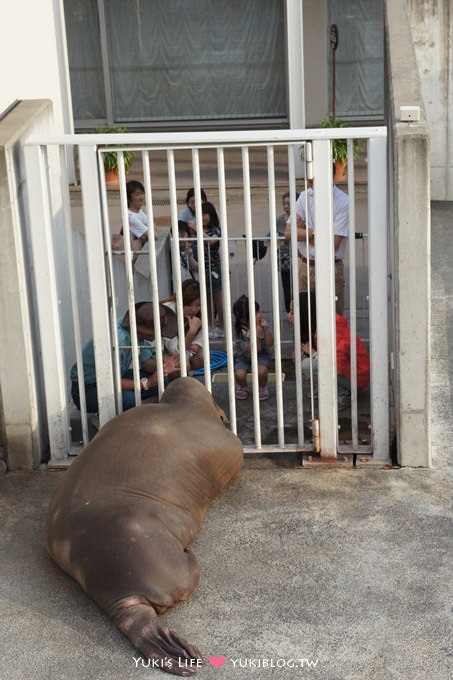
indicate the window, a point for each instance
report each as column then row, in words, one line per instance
column 359, row 58
column 173, row 61
column 85, row 60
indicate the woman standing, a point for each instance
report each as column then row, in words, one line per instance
column 211, row 238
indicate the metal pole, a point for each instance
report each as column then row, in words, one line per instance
column 334, row 103
column 334, row 45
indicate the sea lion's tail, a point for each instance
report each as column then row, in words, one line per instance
column 162, row 647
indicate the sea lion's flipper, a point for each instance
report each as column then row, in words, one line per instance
column 166, row 649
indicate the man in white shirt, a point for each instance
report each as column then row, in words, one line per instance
column 305, row 223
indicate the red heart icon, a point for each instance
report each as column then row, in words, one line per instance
column 216, row 661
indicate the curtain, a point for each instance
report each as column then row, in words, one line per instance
column 359, row 57
column 85, row 62
column 177, row 60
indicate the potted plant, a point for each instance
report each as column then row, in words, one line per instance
column 340, row 147
column 111, row 157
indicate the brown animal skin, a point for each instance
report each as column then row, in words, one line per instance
column 123, row 517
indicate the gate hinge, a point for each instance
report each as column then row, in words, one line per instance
column 316, row 441
column 308, row 154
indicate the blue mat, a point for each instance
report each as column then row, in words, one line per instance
column 218, row 360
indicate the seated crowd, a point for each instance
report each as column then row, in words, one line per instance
column 193, row 347
column 191, row 306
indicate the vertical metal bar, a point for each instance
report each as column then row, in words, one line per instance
column 352, row 297
column 153, row 267
column 114, row 318
column 308, row 265
column 201, row 268
column 225, row 266
column 275, row 300
column 97, row 279
column 73, row 288
column 129, row 278
column 47, row 302
column 334, row 86
column 295, row 270
column 325, row 296
column 377, row 258
column 251, row 293
column 175, row 252
column 308, row 156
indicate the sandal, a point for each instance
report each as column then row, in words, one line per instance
column 242, row 392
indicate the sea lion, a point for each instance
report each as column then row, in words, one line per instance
column 123, row 517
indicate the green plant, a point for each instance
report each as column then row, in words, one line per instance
column 111, row 157
column 340, row 146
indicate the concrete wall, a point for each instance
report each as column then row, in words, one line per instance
column 431, row 24
column 410, row 249
column 32, row 37
column 22, row 397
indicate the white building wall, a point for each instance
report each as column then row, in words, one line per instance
column 34, row 65
column 431, row 23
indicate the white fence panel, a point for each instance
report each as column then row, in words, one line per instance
column 106, row 284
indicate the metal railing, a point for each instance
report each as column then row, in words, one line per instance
column 288, row 410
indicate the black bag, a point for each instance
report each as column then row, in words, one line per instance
column 259, row 249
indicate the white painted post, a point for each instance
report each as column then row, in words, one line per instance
column 225, row 269
column 325, row 296
column 152, row 259
column 378, row 277
column 175, row 255
column 130, row 283
column 73, row 287
column 48, row 305
column 275, row 301
column 97, row 280
column 352, row 298
column 201, row 268
column 111, row 275
column 295, row 278
column 251, row 291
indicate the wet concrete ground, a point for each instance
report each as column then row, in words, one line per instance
column 335, row 574
column 349, row 570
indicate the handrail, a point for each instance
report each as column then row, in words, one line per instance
column 207, row 139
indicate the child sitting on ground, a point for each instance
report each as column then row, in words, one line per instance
column 192, row 324
column 242, row 348
column 307, row 310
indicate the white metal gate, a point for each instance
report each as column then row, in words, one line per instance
column 78, row 290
